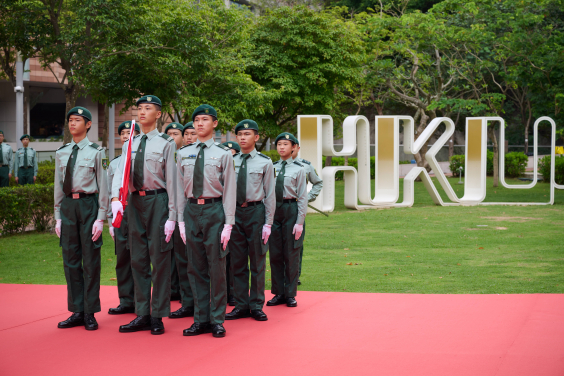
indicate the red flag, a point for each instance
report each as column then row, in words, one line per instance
column 124, row 190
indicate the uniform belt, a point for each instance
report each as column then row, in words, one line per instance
column 25, row 167
column 250, row 203
column 77, row 195
column 149, row 193
column 288, row 200
column 202, row 201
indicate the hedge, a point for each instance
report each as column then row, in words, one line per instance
column 515, row 164
column 26, row 205
column 544, row 168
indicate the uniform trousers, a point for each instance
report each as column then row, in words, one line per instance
column 124, row 274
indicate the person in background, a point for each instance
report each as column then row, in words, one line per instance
column 25, row 163
column 6, row 162
column 189, row 133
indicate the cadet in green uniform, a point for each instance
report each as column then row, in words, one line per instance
column 151, row 217
column 124, row 275
column 179, row 281
column 206, row 207
column 189, row 133
column 79, row 176
column 6, row 162
column 256, row 204
column 25, row 163
column 286, row 238
column 317, row 184
column 174, row 130
column 235, row 149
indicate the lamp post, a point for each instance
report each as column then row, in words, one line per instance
column 460, row 169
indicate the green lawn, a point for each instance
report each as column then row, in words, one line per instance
column 423, row 249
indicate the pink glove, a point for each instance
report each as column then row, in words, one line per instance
column 225, row 235
column 182, row 228
column 169, row 229
column 97, row 228
column 58, row 227
column 298, row 229
column 266, row 233
column 117, row 207
column 112, row 233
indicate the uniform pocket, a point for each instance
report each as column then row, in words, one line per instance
column 255, row 176
column 165, row 247
column 212, row 169
column 84, row 168
column 188, row 169
column 154, row 162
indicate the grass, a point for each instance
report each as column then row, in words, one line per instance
column 423, row 249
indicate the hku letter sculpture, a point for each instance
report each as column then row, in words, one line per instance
column 315, row 133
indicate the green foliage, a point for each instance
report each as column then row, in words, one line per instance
column 46, row 172
column 26, row 205
column 515, row 164
column 273, row 154
column 456, row 161
column 544, row 169
column 353, row 162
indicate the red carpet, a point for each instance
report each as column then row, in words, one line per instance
column 327, row 334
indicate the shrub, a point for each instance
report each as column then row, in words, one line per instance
column 515, row 164
column 353, row 162
column 456, row 161
column 544, row 168
column 273, row 154
column 26, row 205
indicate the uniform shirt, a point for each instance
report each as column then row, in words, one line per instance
column 111, row 172
column 31, row 160
column 159, row 170
column 260, row 181
column 219, row 176
column 311, row 176
column 295, row 185
column 88, row 175
column 7, row 154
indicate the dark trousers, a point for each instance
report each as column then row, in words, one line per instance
column 228, row 275
column 25, row 176
column 206, row 260
column 81, row 256
column 4, row 176
column 285, row 251
column 174, row 282
column 147, row 216
column 124, row 274
column 246, row 247
column 302, row 251
column 181, row 264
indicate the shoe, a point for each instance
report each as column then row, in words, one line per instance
column 277, row 300
column 90, row 322
column 231, row 300
column 291, row 302
column 238, row 314
column 120, row 310
column 174, row 297
column 157, row 326
column 197, row 328
column 218, row 330
column 76, row 319
column 182, row 312
column 257, row 314
column 139, row 323
column 299, row 282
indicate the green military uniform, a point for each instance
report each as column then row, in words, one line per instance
column 151, row 203
column 124, row 274
column 317, row 184
column 291, row 207
column 25, row 164
column 205, row 214
column 6, row 164
column 78, row 208
column 256, row 204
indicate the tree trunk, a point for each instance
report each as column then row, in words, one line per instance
column 346, row 161
column 491, row 134
column 328, row 161
column 451, row 147
column 71, row 94
column 527, row 124
column 105, row 135
column 263, row 143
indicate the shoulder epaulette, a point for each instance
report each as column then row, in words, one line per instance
column 96, row 146
column 278, row 161
column 20, row 148
column 264, row 156
column 186, row 146
column 166, row 137
column 221, row 146
column 298, row 163
column 63, row 146
column 116, row 157
column 306, row 162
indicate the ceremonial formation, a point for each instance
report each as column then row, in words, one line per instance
column 191, row 219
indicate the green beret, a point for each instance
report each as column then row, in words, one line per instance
column 189, row 125
column 80, row 111
column 232, row 145
column 25, row 136
column 174, row 125
column 149, row 99
column 127, row 125
column 1, row 132
column 246, row 124
column 204, row 109
column 286, row 136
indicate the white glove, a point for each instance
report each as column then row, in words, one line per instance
column 182, row 228
column 169, row 229
column 58, row 227
column 298, row 229
column 117, row 207
column 226, row 235
column 97, row 229
column 266, row 233
column 112, row 233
